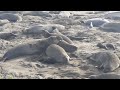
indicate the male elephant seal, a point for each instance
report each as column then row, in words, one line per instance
column 57, row 53
column 34, row 47
column 107, row 60
column 47, row 34
column 105, row 76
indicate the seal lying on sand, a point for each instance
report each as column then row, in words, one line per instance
column 7, row 35
column 37, row 13
column 107, row 60
column 37, row 46
column 11, row 17
column 96, row 22
column 113, row 15
column 106, row 46
column 105, row 76
column 47, row 34
column 38, row 29
column 110, row 27
column 57, row 53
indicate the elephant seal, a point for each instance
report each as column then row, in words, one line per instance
column 67, row 47
column 7, row 35
column 38, row 28
column 113, row 15
column 109, row 61
column 57, row 53
column 96, row 22
column 106, row 46
column 110, row 27
column 105, row 76
column 10, row 17
column 33, row 47
column 47, row 34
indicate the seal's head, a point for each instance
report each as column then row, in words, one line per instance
column 66, row 59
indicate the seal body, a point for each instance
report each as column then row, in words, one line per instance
column 37, row 46
column 111, row 27
column 105, row 76
column 47, row 34
column 106, row 60
column 11, row 17
column 57, row 53
column 96, row 22
column 7, row 35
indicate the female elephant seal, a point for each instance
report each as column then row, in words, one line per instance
column 107, row 60
column 11, row 17
column 110, row 27
column 34, row 47
column 47, row 34
column 105, row 76
column 7, row 35
column 57, row 53
column 97, row 22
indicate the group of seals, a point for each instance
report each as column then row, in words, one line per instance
column 32, row 47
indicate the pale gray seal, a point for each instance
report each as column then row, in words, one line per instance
column 57, row 53
column 33, row 47
column 109, row 61
column 11, row 17
column 105, row 76
column 113, row 15
column 110, row 27
column 96, row 22
column 38, row 28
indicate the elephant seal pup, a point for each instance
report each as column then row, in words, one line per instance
column 107, row 60
column 57, row 53
column 47, row 34
column 67, row 47
column 10, row 17
column 33, row 47
column 105, row 76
